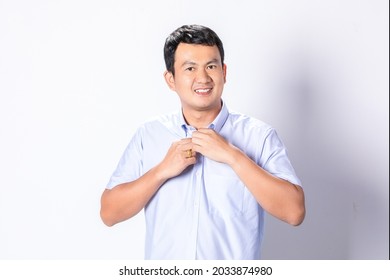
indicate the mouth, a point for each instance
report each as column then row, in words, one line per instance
column 203, row 91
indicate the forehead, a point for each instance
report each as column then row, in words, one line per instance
column 196, row 53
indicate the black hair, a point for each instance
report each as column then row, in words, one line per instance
column 190, row 34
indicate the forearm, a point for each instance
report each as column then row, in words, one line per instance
column 278, row 197
column 126, row 200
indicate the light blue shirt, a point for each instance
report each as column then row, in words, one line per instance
column 206, row 212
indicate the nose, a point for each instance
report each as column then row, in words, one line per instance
column 203, row 76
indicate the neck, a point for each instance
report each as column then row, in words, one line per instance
column 200, row 119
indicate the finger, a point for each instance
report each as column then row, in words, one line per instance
column 200, row 141
column 186, row 146
column 191, row 160
column 198, row 149
column 205, row 131
column 203, row 148
column 184, row 141
column 189, row 153
column 197, row 134
column 181, row 142
column 202, row 134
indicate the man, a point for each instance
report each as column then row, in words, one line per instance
column 203, row 175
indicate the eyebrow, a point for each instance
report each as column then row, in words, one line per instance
column 185, row 63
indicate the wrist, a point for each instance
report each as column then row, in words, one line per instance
column 234, row 155
column 160, row 173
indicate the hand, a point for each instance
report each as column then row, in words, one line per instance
column 179, row 156
column 212, row 145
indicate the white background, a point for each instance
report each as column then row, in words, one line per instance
column 78, row 77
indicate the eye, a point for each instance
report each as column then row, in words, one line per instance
column 212, row 66
column 190, row 69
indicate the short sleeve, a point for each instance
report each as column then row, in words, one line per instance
column 275, row 160
column 129, row 167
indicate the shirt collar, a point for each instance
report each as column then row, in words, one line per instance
column 216, row 125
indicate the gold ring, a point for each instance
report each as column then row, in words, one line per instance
column 189, row 153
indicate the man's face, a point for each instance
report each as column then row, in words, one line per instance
column 199, row 77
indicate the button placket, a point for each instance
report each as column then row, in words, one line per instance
column 198, row 181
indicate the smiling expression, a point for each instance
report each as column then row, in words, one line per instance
column 199, row 78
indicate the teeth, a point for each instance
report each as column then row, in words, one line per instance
column 202, row 90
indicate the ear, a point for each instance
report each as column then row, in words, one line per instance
column 224, row 68
column 170, row 80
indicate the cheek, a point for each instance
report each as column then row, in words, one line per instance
column 219, row 79
column 184, row 83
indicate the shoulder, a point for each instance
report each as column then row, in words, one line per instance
column 158, row 120
column 249, row 123
column 160, row 124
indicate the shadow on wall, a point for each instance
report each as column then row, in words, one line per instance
column 345, row 214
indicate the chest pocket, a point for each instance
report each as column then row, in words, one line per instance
column 224, row 191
